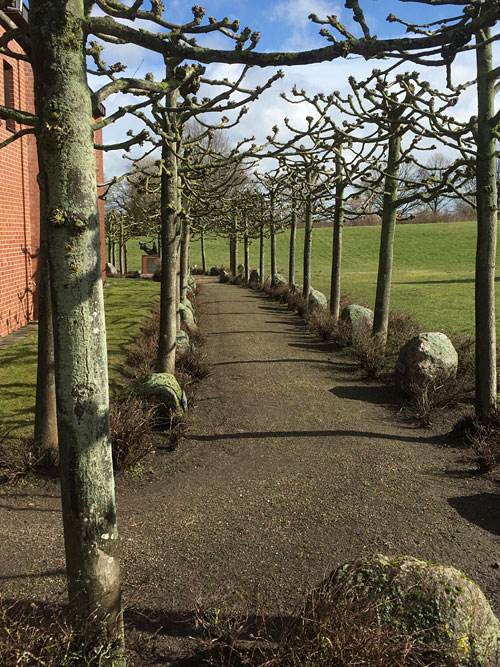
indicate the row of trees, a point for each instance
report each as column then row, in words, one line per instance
column 56, row 43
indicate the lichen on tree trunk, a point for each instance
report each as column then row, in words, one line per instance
column 338, row 223
column 65, row 145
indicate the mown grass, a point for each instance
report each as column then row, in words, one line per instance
column 127, row 303
column 433, row 276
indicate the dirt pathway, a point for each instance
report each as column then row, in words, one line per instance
column 293, row 465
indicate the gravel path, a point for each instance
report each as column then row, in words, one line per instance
column 293, row 464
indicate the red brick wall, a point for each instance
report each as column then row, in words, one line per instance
column 19, row 208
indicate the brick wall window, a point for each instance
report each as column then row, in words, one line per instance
column 8, row 92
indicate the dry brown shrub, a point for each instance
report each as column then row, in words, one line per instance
column 297, row 302
column 482, row 435
column 20, row 455
column 132, row 422
column 368, row 351
column 322, row 322
column 280, row 293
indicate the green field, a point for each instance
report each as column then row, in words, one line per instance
column 433, row 276
column 127, row 303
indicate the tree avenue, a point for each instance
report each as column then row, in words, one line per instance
column 56, row 45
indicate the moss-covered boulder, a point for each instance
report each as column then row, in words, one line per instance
column 428, row 357
column 277, row 280
column 438, row 607
column 317, row 301
column 164, row 390
column 254, row 277
column 187, row 316
column 182, row 342
column 359, row 318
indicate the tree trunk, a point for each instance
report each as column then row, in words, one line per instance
column 113, row 253
column 338, row 223
column 67, row 161
column 389, row 211
column 293, row 238
column 306, row 288
column 125, row 259
column 233, row 248
column 246, row 248
column 486, row 379
column 120, row 247
column 261, row 253
column 45, row 431
column 184, row 260
column 203, row 254
column 272, row 233
column 168, row 215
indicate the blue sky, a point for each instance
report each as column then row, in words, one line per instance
column 284, row 26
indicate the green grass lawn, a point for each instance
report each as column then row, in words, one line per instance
column 127, row 303
column 433, row 274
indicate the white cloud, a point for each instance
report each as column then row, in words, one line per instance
column 294, row 13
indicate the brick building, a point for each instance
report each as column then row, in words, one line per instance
column 19, row 195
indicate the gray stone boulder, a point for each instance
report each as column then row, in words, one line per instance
column 191, row 282
column 111, row 271
column 163, row 389
column 224, row 276
column 240, row 270
column 187, row 316
column 182, row 342
column 317, row 301
column 296, row 287
column 437, row 606
column 428, row 357
column 214, row 271
column 254, row 277
column 360, row 319
column 277, row 281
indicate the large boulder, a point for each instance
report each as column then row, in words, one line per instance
column 317, row 301
column 360, row 320
column 277, row 280
column 187, row 316
column 437, row 606
column 224, row 276
column 191, row 282
column 215, row 271
column 428, row 357
column 163, row 389
column 240, row 270
column 182, row 342
column 254, row 277
column 111, row 271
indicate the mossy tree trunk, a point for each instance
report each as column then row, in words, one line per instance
column 203, row 252
column 66, row 150
column 246, row 248
column 272, row 235
column 45, row 431
column 120, row 247
column 486, row 184
column 293, row 238
column 169, row 219
column 306, row 287
column 186, row 232
column 233, row 249
column 262, row 237
column 338, row 223
column 389, row 213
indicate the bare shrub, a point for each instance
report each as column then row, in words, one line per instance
column 280, row 293
column 141, row 355
column 266, row 286
column 40, row 635
column 20, row 455
column 132, row 422
column 482, row 435
column 194, row 363
column 297, row 302
column 401, row 329
column 346, row 634
column 322, row 322
column 368, row 351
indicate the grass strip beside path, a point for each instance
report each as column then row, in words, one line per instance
column 127, row 304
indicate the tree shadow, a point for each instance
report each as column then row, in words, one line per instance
column 483, row 509
column 375, row 394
